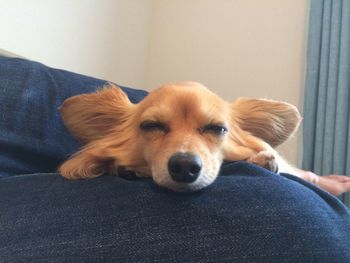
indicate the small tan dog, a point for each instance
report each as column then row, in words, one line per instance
column 180, row 134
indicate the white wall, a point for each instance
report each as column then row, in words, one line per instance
column 237, row 48
column 102, row 38
column 250, row 48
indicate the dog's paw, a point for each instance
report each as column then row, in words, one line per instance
column 266, row 160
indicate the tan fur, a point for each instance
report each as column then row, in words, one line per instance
column 108, row 124
column 273, row 121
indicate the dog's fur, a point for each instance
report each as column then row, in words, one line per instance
column 183, row 117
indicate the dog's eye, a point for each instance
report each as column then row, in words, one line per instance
column 150, row 126
column 215, row 129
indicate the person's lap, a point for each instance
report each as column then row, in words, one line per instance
column 252, row 215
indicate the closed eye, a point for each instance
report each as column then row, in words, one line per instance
column 151, row 126
column 215, row 129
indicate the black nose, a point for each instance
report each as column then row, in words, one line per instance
column 184, row 167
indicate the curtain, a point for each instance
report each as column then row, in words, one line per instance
column 326, row 132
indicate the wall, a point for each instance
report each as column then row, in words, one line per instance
column 102, row 38
column 237, row 48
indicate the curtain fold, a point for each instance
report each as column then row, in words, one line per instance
column 326, row 133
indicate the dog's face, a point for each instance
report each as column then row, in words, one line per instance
column 182, row 130
column 179, row 134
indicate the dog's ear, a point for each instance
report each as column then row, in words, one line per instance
column 91, row 161
column 91, row 116
column 272, row 121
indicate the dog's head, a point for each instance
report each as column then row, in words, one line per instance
column 179, row 134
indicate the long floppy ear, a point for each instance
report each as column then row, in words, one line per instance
column 272, row 121
column 91, row 116
column 100, row 120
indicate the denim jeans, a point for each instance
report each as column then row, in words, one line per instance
column 249, row 215
column 33, row 138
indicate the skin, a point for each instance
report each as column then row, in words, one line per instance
column 334, row 184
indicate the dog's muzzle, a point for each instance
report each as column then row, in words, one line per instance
column 184, row 167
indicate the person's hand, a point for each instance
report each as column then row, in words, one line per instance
column 335, row 184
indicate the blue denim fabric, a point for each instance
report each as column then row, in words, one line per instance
column 251, row 215
column 32, row 136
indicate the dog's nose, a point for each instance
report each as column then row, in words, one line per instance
column 184, row 167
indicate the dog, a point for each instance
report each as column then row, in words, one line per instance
column 179, row 134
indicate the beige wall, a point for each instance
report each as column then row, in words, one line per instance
column 102, row 38
column 237, row 48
